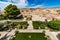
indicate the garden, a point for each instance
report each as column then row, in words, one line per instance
column 29, row 36
column 11, row 25
column 54, row 25
column 22, row 25
column 38, row 24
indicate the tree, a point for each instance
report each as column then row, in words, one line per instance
column 11, row 11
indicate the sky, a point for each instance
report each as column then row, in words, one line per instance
column 30, row 3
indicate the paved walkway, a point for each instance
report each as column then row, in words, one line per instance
column 52, row 35
column 9, row 35
column 12, row 33
column 38, row 31
column 30, row 27
column 2, row 34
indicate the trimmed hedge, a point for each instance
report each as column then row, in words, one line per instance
column 37, row 24
column 54, row 25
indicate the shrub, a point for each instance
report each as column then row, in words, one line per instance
column 29, row 18
column 19, row 26
column 37, row 24
column 24, row 24
column 54, row 25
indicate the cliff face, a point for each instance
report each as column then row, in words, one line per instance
column 49, row 13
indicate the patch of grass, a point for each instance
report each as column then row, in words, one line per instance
column 30, row 36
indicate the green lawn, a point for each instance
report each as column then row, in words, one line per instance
column 30, row 36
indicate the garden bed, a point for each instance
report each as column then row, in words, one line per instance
column 30, row 36
column 39, row 24
column 11, row 25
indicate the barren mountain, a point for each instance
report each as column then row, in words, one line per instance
column 48, row 13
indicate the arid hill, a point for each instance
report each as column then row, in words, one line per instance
column 48, row 13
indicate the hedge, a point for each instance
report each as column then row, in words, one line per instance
column 37, row 24
column 54, row 25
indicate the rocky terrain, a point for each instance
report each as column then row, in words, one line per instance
column 48, row 13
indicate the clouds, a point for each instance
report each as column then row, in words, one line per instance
column 21, row 3
column 30, row 3
column 3, row 5
column 37, row 6
column 13, row 1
